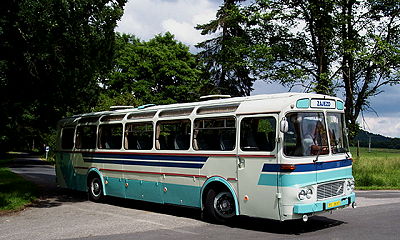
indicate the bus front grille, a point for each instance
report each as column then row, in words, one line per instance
column 331, row 189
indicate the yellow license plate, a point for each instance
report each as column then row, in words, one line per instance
column 334, row 204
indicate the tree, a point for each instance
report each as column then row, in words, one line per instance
column 51, row 55
column 330, row 47
column 159, row 71
column 226, row 56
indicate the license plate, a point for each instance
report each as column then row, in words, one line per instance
column 334, row 204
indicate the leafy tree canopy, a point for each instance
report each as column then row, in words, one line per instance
column 226, row 56
column 51, row 55
column 343, row 47
column 159, row 71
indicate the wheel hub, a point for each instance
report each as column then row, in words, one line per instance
column 224, row 205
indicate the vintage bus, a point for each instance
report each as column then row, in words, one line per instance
column 278, row 156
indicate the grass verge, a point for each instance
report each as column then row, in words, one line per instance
column 377, row 169
column 15, row 191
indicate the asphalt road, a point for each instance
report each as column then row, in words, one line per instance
column 63, row 214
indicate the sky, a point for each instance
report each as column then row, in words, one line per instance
column 147, row 18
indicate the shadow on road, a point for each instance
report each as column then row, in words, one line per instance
column 41, row 173
column 293, row 227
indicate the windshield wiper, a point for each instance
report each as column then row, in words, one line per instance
column 347, row 154
column 318, row 153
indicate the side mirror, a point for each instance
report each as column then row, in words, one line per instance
column 284, row 125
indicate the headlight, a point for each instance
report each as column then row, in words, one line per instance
column 309, row 193
column 305, row 193
column 302, row 194
column 350, row 185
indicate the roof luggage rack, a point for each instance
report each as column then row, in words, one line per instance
column 214, row 97
column 113, row 108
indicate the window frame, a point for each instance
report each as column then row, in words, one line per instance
column 157, row 133
column 125, row 142
column 78, row 137
column 99, row 135
column 194, row 137
column 73, row 137
column 260, row 116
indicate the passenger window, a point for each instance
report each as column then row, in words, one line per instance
column 110, row 136
column 86, row 137
column 67, row 138
column 139, row 136
column 258, row 134
column 215, row 134
column 173, row 135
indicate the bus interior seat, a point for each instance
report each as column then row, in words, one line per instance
column 144, row 142
column 227, row 141
column 181, row 142
column 162, row 141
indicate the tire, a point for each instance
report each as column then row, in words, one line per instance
column 219, row 206
column 95, row 189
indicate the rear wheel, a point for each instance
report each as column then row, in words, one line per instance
column 219, row 206
column 95, row 188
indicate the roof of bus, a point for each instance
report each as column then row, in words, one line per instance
column 246, row 105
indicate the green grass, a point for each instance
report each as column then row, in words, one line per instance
column 15, row 192
column 378, row 169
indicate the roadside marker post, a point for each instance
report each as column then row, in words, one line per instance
column 47, row 151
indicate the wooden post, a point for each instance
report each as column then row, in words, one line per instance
column 369, row 144
column 358, row 148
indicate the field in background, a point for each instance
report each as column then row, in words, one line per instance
column 15, row 192
column 378, row 169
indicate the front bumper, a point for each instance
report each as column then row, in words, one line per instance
column 324, row 205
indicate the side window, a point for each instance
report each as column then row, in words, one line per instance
column 86, row 137
column 215, row 134
column 173, row 135
column 258, row 134
column 139, row 136
column 67, row 138
column 110, row 136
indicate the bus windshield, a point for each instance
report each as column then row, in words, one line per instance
column 306, row 135
column 337, row 134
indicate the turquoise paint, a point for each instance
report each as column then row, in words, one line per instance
column 268, row 179
column 227, row 184
column 292, row 179
column 153, row 191
column 333, row 175
column 81, row 182
column 115, row 187
column 143, row 190
column 303, row 103
column 319, row 206
column 72, row 179
column 339, row 105
column 182, row 195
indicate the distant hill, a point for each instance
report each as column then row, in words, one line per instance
column 377, row 140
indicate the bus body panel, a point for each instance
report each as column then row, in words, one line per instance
column 259, row 181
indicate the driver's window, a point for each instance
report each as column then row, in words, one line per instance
column 258, row 134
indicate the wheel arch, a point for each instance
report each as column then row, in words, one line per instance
column 95, row 171
column 218, row 183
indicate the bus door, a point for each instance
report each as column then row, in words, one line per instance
column 257, row 150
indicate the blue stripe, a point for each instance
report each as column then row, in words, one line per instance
column 147, row 157
column 287, row 180
column 144, row 163
column 308, row 167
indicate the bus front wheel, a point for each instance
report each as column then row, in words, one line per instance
column 95, row 189
column 219, row 206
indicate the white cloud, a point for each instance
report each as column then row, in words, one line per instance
column 386, row 126
column 146, row 18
